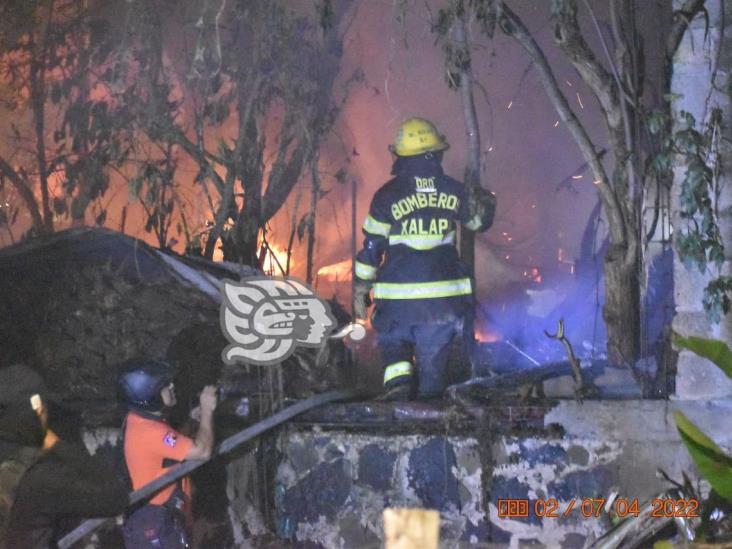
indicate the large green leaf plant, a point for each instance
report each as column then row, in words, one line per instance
column 711, row 461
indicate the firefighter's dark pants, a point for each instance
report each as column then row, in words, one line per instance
column 417, row 354
column 155, row 527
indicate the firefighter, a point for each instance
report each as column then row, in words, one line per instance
column 151, row 445
column 422, row 291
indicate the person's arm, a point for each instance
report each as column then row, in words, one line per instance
column 204, row 441
column 376, row 229
column 369, row 258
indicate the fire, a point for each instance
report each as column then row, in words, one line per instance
column 564, row 261
column 275, row 260
column 336, row 271
column 534, row 274
column 486, row 335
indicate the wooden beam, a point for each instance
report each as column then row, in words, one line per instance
column 411, row 529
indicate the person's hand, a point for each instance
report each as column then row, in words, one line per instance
column 208, row 399
column 482, row 206
column 49, row 440
column 361, row 299
column 195, row 414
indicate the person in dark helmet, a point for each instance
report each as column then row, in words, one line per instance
column 151, row 445
column 423, row 293
column 44, row 481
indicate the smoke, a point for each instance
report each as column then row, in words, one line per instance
column 527, row 156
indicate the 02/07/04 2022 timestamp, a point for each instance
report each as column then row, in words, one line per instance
column 593, row 507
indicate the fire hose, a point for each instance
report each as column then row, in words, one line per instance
column 89, row 526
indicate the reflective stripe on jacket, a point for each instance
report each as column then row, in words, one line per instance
column 409, row 251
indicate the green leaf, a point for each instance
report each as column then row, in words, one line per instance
column 224, row 151
column 657, row 120
column 153, row 191
column 712, row 349
column 135, row 186
column 716, row 299
column 713, row 464
column 662, row 163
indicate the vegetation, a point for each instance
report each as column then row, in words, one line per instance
column 711, row 461
column 65, row 133
column 699, row 241
column 246, row 96
column 617, row 78
column 259, row 99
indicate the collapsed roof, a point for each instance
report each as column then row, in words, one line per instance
column 77, row 303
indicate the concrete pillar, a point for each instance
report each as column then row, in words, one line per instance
column 698, row 60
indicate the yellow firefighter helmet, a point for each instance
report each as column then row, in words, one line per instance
column 417, row 136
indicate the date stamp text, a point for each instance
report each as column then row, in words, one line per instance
column 594, row 507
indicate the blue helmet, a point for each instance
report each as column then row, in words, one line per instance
column 140, row 383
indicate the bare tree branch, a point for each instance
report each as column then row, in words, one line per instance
column 278, row 189
column 682, row 19
column 25, row 193
column 513, row 26
column 569, row 37
column 470, row 119
column 610, row 60
column 38, row 103
column 202, row 157
column 620, row 130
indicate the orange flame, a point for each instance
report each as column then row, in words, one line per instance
column 486, row 335
column 336, row 271
column 275, row 259
column 534, row 274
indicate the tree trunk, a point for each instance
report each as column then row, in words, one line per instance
column 314, row 196
column 242, row 246
column 472, row 168
column 293, row 228
column 619, row 199
column 622, row 306
column 37, row 100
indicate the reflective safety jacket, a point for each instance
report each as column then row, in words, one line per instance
column 150, row 444
column 409, row 252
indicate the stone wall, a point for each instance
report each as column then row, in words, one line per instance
column 704, row 54
column 332, row 486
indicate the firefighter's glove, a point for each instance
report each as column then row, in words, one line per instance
column 481, row 207
column 361, row 299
